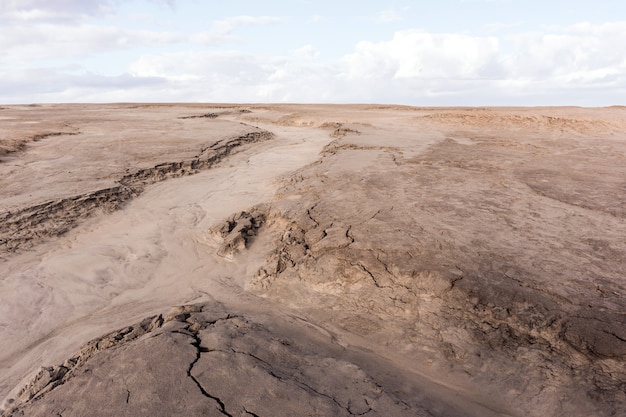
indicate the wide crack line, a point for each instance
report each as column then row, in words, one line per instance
column 250, row 413
column 309, row 388
column 196, row 344
column 302, row 385
column 369, row 273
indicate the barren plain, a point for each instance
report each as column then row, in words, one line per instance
column 312, row 260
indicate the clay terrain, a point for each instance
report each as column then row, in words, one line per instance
column 312, row 260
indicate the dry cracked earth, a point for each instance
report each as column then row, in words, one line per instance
column 312, row 260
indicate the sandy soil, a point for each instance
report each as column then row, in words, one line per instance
column 312, row 260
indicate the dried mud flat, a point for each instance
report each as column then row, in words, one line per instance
column 300, row 260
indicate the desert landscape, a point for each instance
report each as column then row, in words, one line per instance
column 312, row 260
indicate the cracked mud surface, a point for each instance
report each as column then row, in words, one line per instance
column 201, row 360
column 328, row 260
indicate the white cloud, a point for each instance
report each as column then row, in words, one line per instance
column 62, row 10
column 307, row 52
column 415, row 54
column 554, row 64
column 221, row 30
column 51, row 10
column 40, row 41
column 50, row 85
column 389, row 16
column 232, row 23
column 582, row 52
column 43, row 42
column 226, row 67
column 235, row 76
column 583, row 64
column 485, row 1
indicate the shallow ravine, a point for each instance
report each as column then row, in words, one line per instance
column 97, row 276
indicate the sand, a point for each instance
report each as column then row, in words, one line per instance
column 319, row 260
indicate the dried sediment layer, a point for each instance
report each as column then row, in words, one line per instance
column 483, row 315
column 481, row 119
column 26, row 227
column 204, row 360
column 438, row 248
column 10, row 145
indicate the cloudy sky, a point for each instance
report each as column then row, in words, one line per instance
column 443, row 52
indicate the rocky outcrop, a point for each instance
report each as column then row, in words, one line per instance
column 238, row 231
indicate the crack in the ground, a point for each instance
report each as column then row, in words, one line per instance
column 251, row 355
column 395, row 279
column 384, row 264
column 308, row 212
column 349, row 235
column 369, row 273
column 250, row 413
column 197, row 344
column 306, row 387
column 330, row 397
column 615, row 336
column 454, row 281
column 579, row 204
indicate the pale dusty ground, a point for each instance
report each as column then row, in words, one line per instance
column 390, row 260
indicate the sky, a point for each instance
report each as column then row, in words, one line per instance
column 443, row 52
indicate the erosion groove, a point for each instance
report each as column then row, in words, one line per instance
column 24, row 228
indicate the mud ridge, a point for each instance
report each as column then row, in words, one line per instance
column 201, row 116
column 8, row 146
column 213, row 115
column 480, row 119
